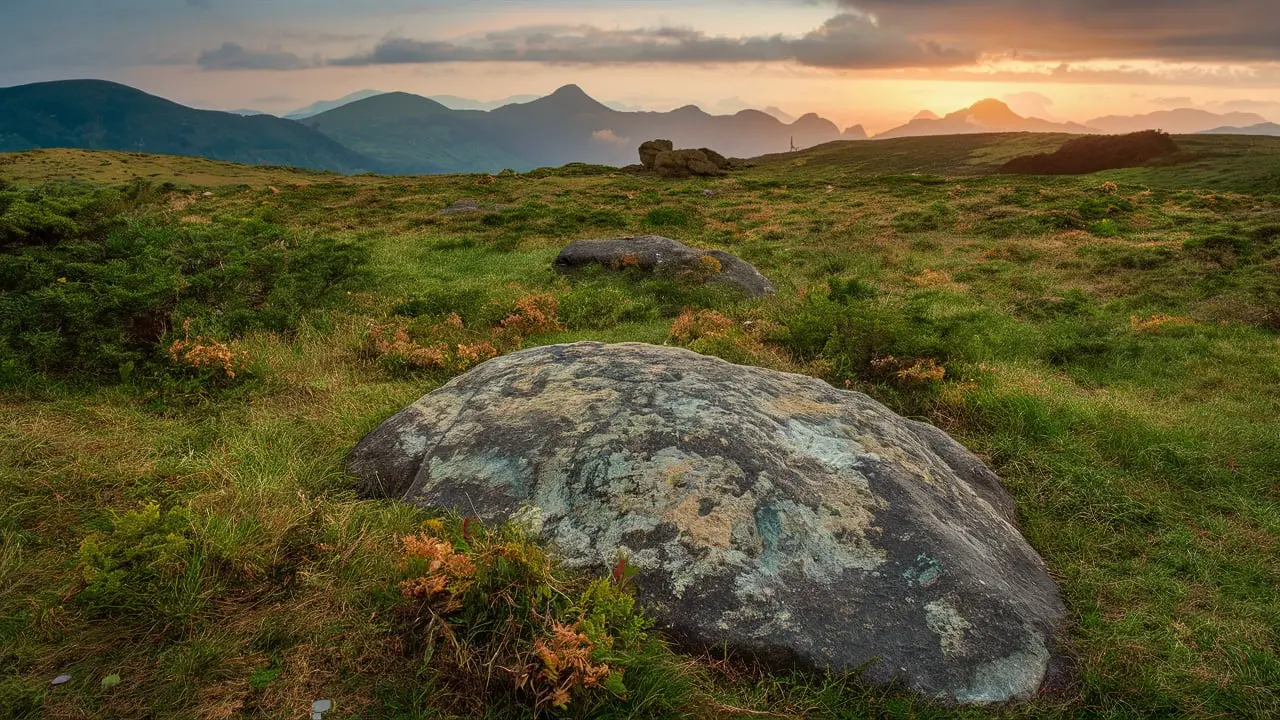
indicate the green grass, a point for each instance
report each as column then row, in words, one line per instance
column 1113, row 354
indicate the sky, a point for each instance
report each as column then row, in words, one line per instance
column 871, row 62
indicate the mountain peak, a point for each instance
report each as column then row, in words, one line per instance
column 925, row 115
column 992, row 112
column 569, row 91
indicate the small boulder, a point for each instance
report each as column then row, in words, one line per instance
column 721, row 162
column 684, row 163
column 649, row 151
column 768, row 513
column 657, row 254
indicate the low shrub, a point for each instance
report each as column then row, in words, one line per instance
column 1093, row 153
column 102, row 289
column 493, row 616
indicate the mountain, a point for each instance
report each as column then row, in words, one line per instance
column 778, row 113
column 1266, row 128
column 1183, row 121
column 981, row 117
column 99, row 115
column 854, row 132
column 926, row 115
column 318, row 107
column 453, row 102
column 412, row 134
column 246, row 112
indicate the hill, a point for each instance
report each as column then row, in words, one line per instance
column 316, row 108
column 1093, row 153
column 984, row 116
column 1182, row 121
column 1266, row 128
column 414, row 134
column 98, row 115
column 1109, row 350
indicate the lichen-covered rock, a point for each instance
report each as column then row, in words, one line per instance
column 721, row 162
column 654, row 253
column 684, row 163
column 649, row 150
column 768, row 513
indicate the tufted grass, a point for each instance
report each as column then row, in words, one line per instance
column 1113, row 355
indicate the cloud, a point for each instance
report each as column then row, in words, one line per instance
column 232, row 56
column 609, row 137
column 202, row 4
column 1175, row 30
column 1030, row 104
column 847, row 41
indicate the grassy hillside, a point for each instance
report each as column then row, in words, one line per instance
column 98, row 115
column 1109, row 342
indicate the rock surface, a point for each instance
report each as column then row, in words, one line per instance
column 649, row 150
column 767, row 512
column 654, row 253
column 685, row 163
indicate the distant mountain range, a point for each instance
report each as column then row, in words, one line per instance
column 981, row 117
column 412, row 134
column 98, row 115
column 372, row 131
column 1266, row 128
column 1184, row 121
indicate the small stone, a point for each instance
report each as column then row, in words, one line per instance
column 660, row 255
column 62, row 680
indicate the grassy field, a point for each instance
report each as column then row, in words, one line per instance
column 186, row 544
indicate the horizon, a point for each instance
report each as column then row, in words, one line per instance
column 855, row 62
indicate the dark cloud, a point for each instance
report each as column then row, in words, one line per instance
column 1176, row 30
column 847, row 41
column 232, row 56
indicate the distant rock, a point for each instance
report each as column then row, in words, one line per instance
column 465, row 205
column 649, row 150
column 653, row 253
column 685, row 163
column 769, row 514
column 715, row 158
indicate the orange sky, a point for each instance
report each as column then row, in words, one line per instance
column 874, row 62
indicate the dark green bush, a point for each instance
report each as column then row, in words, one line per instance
column 88, row 287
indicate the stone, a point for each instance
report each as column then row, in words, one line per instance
column 684, row 163
column 465, row 205
column 715, row 158
column 768, row 514
column 650, row 148
column 660, row 255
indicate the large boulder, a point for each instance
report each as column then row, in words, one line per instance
column 684, row 163
column 650, row 148
column 768, row 513
column 654, row 253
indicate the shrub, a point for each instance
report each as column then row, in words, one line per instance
column 403, row 347
column 1093, row 153
column 696, row 324
column 494, row 615
column 534, row 314
column 103, row 291
column 135, row 564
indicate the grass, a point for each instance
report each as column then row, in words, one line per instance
column 1111, row 351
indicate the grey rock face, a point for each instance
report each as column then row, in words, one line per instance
column 658, row 254
column 650, row 148
column 768, row 512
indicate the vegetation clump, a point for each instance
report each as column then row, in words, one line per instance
column 492, row 615
column 1094, row 153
